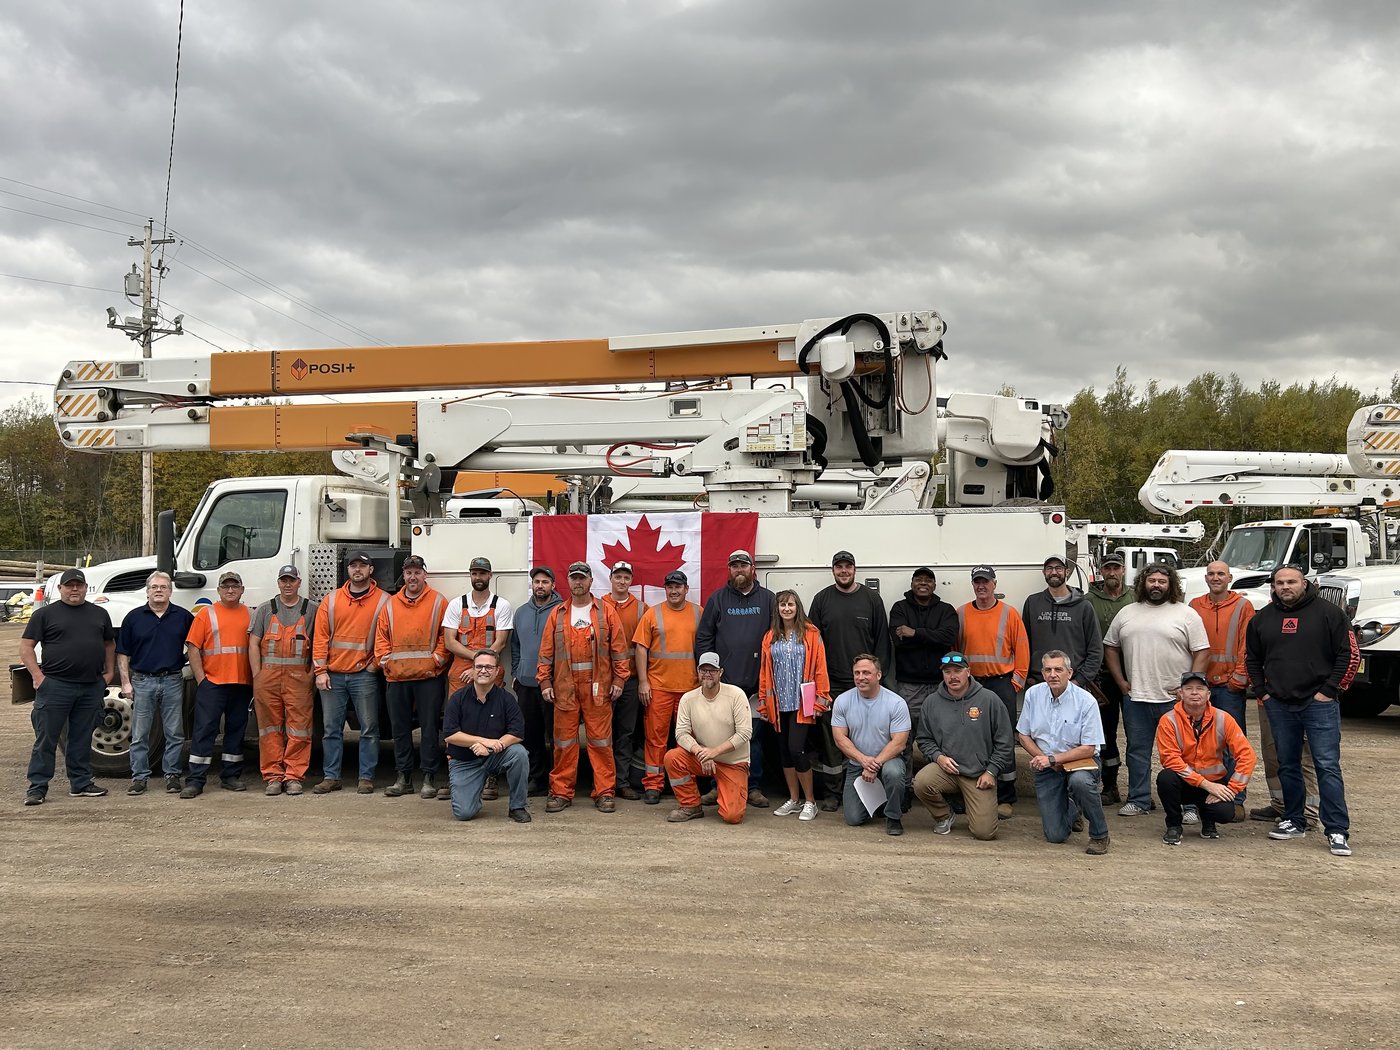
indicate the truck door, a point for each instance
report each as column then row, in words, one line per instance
column 243, row 531
column 1328, row 547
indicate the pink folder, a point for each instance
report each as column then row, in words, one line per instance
column 809, row 698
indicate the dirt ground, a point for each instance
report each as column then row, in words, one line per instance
column 242, row 921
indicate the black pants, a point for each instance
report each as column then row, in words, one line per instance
column 1003, row 686
column 792, row 742
column 538, row 723
column 626, row 713
column 426, row 696
column 1175, row 793
column 1110, row 713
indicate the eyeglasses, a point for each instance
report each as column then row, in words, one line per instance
column 483, row 667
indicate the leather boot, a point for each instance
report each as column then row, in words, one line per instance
column 429, row 788
column 402, row 786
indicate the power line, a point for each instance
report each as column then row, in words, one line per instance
column 61, row 284
column 174, row 108
column 55, row 204
column 55, row 218
column 24, row 382
column 210, row 324
column 84, row 200
column 264, row 305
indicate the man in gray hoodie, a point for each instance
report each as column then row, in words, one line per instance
column 967, row 737
column 1060, row 618
column 528, row 626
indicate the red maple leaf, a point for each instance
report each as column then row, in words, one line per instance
column 650, row 563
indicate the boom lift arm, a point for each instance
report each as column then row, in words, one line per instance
column 1186, row 480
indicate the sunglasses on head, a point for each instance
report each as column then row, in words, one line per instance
column 955, row 661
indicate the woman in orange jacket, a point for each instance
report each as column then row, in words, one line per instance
column 792, row 655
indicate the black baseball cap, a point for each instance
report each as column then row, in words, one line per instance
column 359, row 556
column 71, row 576
column 983, row 572
column 541, row 570
column 289, row 571
column 677, row 577
column 954, row 658
column 1195, row 676
column 922, row 570
column 1112, row 559
column 840, row 556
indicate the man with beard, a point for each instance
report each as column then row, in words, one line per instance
column 1149, row 645
column 852, row 620
column 1109, row 597
column 1059, row 618
column 665, row 641
column 732, row 625
column 1299, row 651
column 478, row 620
column 923, row 628
column 528, row 628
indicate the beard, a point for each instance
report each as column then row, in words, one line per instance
column 1157, row 597
column 481, row 585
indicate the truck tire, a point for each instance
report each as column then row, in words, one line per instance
column 111, row 739
column 1367, row 701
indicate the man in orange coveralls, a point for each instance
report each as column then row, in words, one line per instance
column 583, row 665
column 279, row 655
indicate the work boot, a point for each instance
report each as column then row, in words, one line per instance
column 403, row 785
column 893, row 826
column 683, row 813
column 710, row 797
column 1270, row 813
column 652, row 797
column 1110, row 796
column 292, row 787
column 520, row 816
column 606, row 804
column 489, row 791
column 274, row 787
column 1005, row 811
column 557, row 804
column 326, row 786
column 628, row 792
column 429, row 789
column 192, row 791
column 756, row 798
column 1078, row 825
column 444, row 792
column 1097, row 847
column 232, row 784
column 363, row 787
column 138, row 787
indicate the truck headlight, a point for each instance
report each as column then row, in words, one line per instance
column 1373, row 631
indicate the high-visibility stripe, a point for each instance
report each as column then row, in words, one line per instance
column 218, row 648
column 227, row 757
column 585, row 665
column 298, row 732
column 679, row 781
column 661, row 652
column 1218, row 768
column 653, row 769
column 200, row 760
column 603, row 742
column 266, row 730
column 413, row 654
column 367, row 646
column 568, row 741
column 995, row 657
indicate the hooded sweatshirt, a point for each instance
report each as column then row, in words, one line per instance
column 733, row 625
column 916, row 659
column 527, row 628
column 975, row 732
column 1295, row 652
column 1069, row 625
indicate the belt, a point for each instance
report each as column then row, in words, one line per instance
column 158, row 674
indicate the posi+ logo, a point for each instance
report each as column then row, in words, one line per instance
column 300, row 369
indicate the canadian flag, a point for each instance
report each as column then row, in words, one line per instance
column 696, row 543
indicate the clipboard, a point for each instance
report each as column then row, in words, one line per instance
column 809, row 699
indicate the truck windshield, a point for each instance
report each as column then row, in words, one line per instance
column 1261, row 549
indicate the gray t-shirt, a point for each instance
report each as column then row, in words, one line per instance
column 1157, row 642
column 870, row 723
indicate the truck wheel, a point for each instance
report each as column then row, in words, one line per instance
column 1367, row 701
column 111, row 740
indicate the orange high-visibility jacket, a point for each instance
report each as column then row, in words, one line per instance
column 221, row 636
column 669, row 637
column 994, row 642
column 813, row 670
column 1225, row 626
column 629, row 615
column 408, row 642
column 343, row 640
column 1200, row 758
column 581, row 663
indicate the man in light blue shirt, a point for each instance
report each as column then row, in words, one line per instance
column 1061, row 730
column 870, row 724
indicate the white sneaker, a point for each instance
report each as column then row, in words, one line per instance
column 1132, row 809
column 788, row 808
column 1190, row 815
column 809, row 811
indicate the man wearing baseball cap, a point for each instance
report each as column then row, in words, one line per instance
column 279, row 655
column 1199, row 745
column 475, row 621
column 627, row 710
column 665, row 641
column 581, row 670
column 1060, row 617
column 713, row 727
column 1108, row 597
column 217, row 647
column 994, row 643
column 78, row 664
column 529, row 622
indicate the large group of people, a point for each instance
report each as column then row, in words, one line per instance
column 865, row 709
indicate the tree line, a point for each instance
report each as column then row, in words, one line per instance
column 57, row 499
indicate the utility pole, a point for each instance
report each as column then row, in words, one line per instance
column 144, row 331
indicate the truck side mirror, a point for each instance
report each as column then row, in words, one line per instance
column 1322, row 561
column 187, row 580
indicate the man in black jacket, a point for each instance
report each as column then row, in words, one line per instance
column 1298, row 651
column 923, row 628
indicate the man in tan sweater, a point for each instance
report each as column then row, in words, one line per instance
column 713, row 726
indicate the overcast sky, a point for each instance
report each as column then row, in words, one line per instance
column 1173, row 188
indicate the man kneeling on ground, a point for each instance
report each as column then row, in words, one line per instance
column 713, row 727
column 1195, row 740
column 483, row 727
column 1061, row 730
column 871, row 726
column 965, row 734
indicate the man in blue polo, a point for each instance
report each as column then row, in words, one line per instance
column 482, row 727
column 151, row 663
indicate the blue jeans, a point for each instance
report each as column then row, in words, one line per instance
column 1140, row 718
column 1321, row 722
column 468, row 776
column 1234, row 705
column 362, row 689
column 892, row 776
column 1063, row 796
column 152, row 696
column 57, row 704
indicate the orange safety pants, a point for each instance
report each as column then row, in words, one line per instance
column 732, row 779
column 597, row 723
column 657, row 723
column 282, row 700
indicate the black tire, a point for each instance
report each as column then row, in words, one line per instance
column 1367, row 701
column 111, row 739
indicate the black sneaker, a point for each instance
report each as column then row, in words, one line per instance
column 1338, row 845
column 34, row 798
column 1208, row 831
column 138, row 787
column 91, row 791
column 1285, row 830
column 894, row 827
column 1173, row 836
column 172, row 784
column 520, row 816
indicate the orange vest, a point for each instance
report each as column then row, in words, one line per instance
column 475, row 632
column 1225, row 624
column 408, row 641
column 669, row 638
column 581, row 663
column 343, row 641
column 285, row 654
column 629, row 615
column 1201, row 758
column 994, row 642
column 221, row 636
